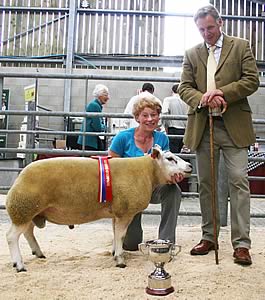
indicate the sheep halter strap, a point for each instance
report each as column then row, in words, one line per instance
column 104, row 177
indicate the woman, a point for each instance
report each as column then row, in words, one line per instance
column 139, row 141
column 94, row 124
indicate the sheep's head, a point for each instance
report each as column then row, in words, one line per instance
column 170, row 163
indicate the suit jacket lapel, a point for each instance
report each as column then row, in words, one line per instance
column 227, row 46
column 202, row 53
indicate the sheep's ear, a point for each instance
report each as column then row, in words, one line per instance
column 156, row 151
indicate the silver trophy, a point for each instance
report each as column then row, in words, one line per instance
column 159, row 252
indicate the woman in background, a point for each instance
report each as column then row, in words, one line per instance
column 94, row 124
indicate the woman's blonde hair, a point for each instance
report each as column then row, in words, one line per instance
column 145, row 99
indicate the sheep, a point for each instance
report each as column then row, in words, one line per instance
column 64, row 191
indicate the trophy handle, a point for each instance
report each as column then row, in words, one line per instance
column 143, row 248
column 175, row 250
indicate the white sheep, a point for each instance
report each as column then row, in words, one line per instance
column 65, row 190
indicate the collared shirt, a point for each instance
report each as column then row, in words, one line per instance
column 174, row 106
column 217, row 51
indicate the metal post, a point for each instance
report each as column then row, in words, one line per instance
column 69, row 56
column 85, row 118
column 4, row 120
column 1, row 86
column 31, row 125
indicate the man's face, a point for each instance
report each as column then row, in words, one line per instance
column 210, row 29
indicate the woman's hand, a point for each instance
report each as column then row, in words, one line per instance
column 178, row 177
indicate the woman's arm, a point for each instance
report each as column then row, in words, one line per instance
column 113, row 154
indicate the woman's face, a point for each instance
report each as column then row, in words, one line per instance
column 103, row 98
column 148, row 119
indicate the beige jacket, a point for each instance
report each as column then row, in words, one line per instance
column 236, row 75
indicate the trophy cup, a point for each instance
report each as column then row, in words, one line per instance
column 159, row 252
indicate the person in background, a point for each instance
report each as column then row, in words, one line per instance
column 236, row 77
column 129, row 123
column 173, row 105
column 94, row 124
column 138, row 141
column 3, row 117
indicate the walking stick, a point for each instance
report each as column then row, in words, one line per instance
column 213, row 184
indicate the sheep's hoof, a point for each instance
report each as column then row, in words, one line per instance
column 21, row 270
column 120, row 262
column 122, row 265
column 39, row 256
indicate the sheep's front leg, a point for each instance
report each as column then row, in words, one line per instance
column 12, row 237
column 120, row 228
column 35, row 248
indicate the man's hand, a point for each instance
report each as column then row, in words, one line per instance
column 217, row 101
column 214, row 99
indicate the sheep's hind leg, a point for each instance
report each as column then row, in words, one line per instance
column 12, row 237
column 120, row 229
column 29, row 235
column 113, row 243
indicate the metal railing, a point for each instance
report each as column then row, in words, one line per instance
column 77, row 133
column 66, row 114
column 58, row 152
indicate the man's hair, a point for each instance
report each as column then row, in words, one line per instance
column 175, row 88
column 205, row 11
column 148, row 87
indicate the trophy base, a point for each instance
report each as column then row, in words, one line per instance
column 159, row 286
column 159, row 292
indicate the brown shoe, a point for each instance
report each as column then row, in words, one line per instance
column 202, row 248
column 242, row 256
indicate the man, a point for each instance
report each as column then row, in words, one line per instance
column 236, row 77
column 129, row 123
column 173, row 105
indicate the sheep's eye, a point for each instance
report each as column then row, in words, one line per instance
column 170, row 159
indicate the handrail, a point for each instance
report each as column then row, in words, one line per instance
column 94, row 77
